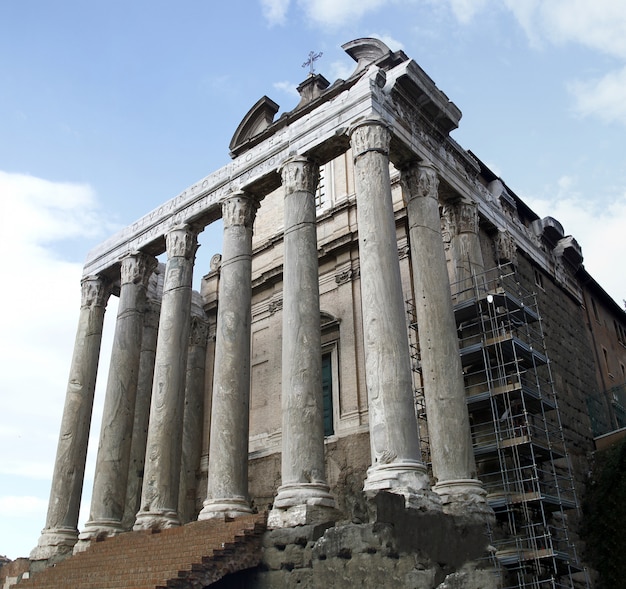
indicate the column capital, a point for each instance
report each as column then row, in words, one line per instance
column 420, row 181
column 299, row 174
column 370, row 135
column 181, row 241
column 95, row 292
column 199, row 332
column 462, row 217
column 136, row 268
column 239, row 209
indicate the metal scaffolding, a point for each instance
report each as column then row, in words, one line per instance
column 517, row 435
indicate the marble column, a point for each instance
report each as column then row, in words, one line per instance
column 227, row 493
column 396, row 457
column 61, row 533
column 111, row 474
column 194, row 412
column 448, row 421
column 159, row 495
column 142, row 411
column 303, row 496
column 465, row 252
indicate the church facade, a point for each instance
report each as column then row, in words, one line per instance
column 387, row 324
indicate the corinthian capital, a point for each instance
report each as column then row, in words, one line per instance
column 95, row 292
column 299, row 175
column 181, row 242
column 137, row 268
column 370, row 135
column 461, row 217
column 420, row 181
column 239, row 209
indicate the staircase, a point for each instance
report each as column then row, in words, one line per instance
column 191, row 556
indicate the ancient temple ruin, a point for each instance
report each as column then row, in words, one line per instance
column 327, row 373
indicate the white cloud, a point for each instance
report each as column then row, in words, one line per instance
column 465, row 10
column 275, row 11
column 341, row 70
column 287, row 87
column 388, row 40
column 39, row 306
column 14, row 506
column 604, row 98
column 334, row 13
column 598, row 229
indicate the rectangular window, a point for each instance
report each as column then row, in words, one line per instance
column 539, row 279
column 595, row 310
column 320, row 194
column 327, row 391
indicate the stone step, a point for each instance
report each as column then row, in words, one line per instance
column 167, row 559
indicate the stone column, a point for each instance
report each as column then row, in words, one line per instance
column 303, row 496
column 396, row 457
column 446, row 410
column 111, row 474
column 142, row 412
column 159, row 495
column 61, row 533
column 465, row 252
column 194, row 413
column 227, row 493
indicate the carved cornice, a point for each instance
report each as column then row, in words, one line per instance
column 239, row 209
column 181, row 242
column 95, row 292
column 462, row 217
column 299, row 175
column 420, row 181
column 370, row 135
column 137, row 268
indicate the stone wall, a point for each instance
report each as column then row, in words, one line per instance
column 395, row 548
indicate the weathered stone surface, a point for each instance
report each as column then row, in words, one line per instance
column 112, row 463
column 228, row 458
column 159, row 498
column 194, row 413
column 452, row 457
column 396, row 459
column 61, row 533
column 303, row 496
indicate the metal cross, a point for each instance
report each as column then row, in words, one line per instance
column 313, row 57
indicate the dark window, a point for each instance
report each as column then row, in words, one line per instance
column 327, row 390
column 595, row 310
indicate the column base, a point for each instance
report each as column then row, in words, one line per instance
column 156, row 520
column 97, row 529
column 221, row 508
column 54, row 543
column 408, row 478
column 464, row 497
column 397, row 477
column 299, row 504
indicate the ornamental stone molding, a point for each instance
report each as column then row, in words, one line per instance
column 239, row 209
column 95, row 292
column 181, row 242
column 199, row 332
column 505, row 247
column 299, row 175
column 420, row 181
column 370, row 135
column 462, row 217
column 137, row 268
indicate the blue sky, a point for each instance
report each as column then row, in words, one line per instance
column 108, row 108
